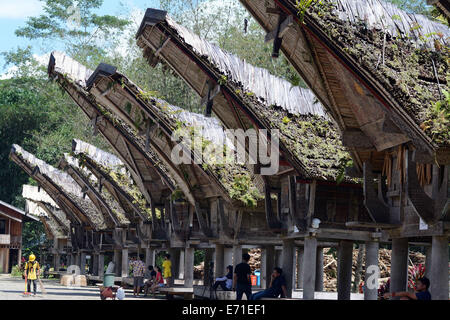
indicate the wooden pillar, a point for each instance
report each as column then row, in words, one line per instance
column 267, row 265
column 228, row 256
column 175, row 258
column 208, row 272
column 439, row 268
column 345, row 261
column 189, row 267
column 319, row 270
column 219, row 265
column 56, row 261
column 101, row 265
column 117, row 263
column 278, row 258
column 82, row 263
column 237, row 255
column 95, row 264
column 299, row 267
column 372, row 271
column 19, row 257
column 429, row 254
column 399, row 265
column 181, row 266
column 288, row 265
column 309, row 268
column 149, row 257
column 125, row 262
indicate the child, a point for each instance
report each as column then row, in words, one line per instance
column 167, row 266
column 159, row 282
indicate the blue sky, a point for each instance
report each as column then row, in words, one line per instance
column 14, row 13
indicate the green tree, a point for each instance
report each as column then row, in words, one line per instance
column 82, row 32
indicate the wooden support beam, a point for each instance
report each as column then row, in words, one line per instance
column 378, row 211
column 158, row 51
column 356, row 139
column 280, row 31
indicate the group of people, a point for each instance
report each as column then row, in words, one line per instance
column 240, row 281
column 155, row 275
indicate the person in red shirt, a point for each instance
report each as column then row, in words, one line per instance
column 159, row 282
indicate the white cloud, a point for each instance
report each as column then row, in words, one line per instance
column 19, row 9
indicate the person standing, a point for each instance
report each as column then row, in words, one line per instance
column 167, row 270
column 241, row 281
column 138, row 268
column 32, row 271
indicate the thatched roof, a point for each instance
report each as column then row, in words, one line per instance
column 113, row 173
column 146, row 167
column 45, row 214
column 66, row 186
column 138, row 107
column 398, row 60
column 251, row 93
column 101, row 198
column 39, row 196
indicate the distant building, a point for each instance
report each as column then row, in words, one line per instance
column 11, row 219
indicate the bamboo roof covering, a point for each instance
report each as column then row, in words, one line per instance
column 371, row 53
column 44, row 213
column 111, row 171
column 101, row 198
column 136, row 106
column 39, row 196
column 63, row 189
column 146, row 168
column 249, row 96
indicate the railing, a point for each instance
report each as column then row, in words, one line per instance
column 5, row 239
column 16, row 240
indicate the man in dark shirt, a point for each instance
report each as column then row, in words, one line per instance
column 422, row 292
column 277, row 286
column 241, row 280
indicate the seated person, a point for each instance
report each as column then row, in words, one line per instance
column 159, row 281
column 150, row 275
column 422, row 293
column 277, row 286
column 225, row 282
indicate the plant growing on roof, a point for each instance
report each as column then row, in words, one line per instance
column 439, row 119
column 303, row 5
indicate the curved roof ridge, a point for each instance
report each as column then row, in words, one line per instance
column 385, row 15
column 270, row 89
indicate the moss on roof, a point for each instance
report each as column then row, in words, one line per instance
column 312, row 139
column 116, row 209
column 231, row 175
column 410, row 70
column 123, row 181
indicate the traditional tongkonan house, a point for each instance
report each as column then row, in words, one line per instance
column 383, row 76
column 145, row 167
column 57, row 226
column 226, row 205
column 11, row 219
column 312, row 160
column 88, row 227
column 112, row 175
